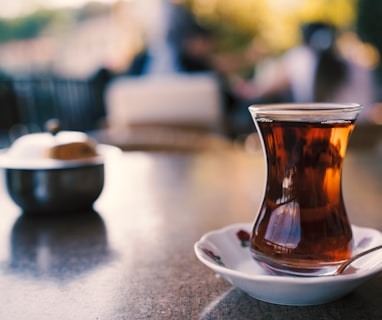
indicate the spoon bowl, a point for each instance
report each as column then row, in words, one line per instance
column 368, row 259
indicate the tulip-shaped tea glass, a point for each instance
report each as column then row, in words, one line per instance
column 302, row 226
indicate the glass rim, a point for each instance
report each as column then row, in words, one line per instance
column 304, row 108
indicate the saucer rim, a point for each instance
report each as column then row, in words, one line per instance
column 224, row 270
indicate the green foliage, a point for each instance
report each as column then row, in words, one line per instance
column 276, row 22
column 31, row 25
column 369, row 22
column 25, row 27
column 369, row 25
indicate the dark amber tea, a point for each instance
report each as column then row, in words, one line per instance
column 302, row 225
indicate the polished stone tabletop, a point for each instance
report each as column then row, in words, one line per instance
column 132, row 257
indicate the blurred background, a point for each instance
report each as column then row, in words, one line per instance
column 108, row 66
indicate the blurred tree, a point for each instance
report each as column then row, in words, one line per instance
column 276, row 22
column 25, row 27
column 369, row 26
column 32, row 25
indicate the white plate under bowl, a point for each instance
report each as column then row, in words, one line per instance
column 226, row 252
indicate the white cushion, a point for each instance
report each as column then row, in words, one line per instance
column 171, row 99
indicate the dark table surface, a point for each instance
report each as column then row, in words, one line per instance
column 133, row 258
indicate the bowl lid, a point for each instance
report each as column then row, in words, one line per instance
column 57, row 149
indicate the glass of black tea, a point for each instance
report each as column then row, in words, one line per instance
column 302, row 226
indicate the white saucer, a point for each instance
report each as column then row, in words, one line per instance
column 227, row 253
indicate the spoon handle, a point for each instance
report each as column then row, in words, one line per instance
column 347, row 263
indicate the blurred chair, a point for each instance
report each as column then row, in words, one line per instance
column 78, row 104
column 8, row 110
column 179, row 100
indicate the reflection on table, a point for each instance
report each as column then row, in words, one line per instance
column 51, row 247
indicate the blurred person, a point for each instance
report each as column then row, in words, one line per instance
column 194, row 44
column 312, row 72
column 176, row 43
